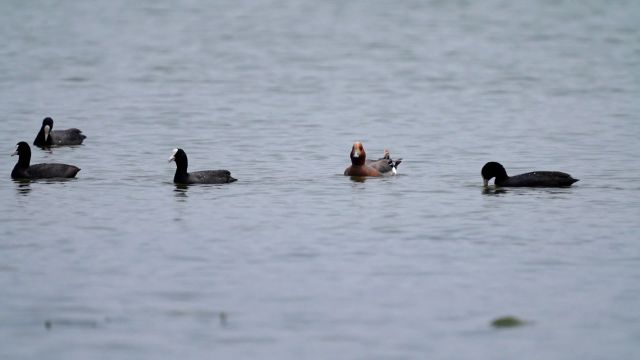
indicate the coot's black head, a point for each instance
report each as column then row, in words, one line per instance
column 43, row 138
column 493, row 169
column 358, row 155
column 24, row 153
column 47, row 121
column 180, row 157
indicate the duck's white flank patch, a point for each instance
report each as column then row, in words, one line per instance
column 47, row 129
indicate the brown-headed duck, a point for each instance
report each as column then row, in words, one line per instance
column 360, row 166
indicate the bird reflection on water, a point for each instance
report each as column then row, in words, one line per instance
column 359, row 179
column 493, row 191
column 24, row 187
column 180, row 191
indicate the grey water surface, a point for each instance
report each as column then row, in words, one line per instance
column 294, row 260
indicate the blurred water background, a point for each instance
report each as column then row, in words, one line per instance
column 296, row 261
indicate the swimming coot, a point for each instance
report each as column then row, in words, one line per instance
column 197, row 177
column 48, row 137
column 23, row 170
column 533, row 179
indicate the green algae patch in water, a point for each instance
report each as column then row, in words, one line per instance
column 507, row 322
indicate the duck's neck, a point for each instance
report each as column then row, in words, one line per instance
column 357, row 161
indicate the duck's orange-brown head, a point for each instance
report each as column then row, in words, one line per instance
column 358, row 155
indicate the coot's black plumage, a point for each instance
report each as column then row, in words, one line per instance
column 197, row 177
column 532, row 179
column 48, row 137
column 23, row 169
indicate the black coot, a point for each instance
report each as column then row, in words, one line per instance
column 197, row 177
column 48, row 137
column 533, row 179
column 23, row 170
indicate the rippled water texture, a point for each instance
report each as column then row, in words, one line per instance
column 294, row 260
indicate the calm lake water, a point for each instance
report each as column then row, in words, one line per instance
column 294, row 260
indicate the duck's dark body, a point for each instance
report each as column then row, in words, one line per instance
column 532, row 179
column 197, row 177
column 71, row 136
column 23, row 169
column 361, row 170
column 385, row 165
